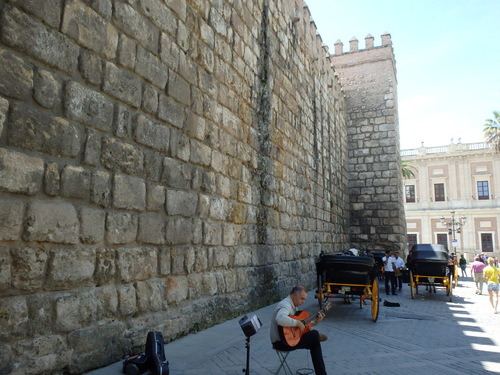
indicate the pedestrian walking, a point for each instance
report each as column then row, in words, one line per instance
column 492, row 275
column 463, row 265
column 389, row 272
column 477, row 268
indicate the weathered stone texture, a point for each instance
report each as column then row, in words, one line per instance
column 11, row 218
column 86, row 27
column 20, row 173
column 28, row 35
column 38, row 131
column 157, row 155
column 88, row 107
column 55, row 222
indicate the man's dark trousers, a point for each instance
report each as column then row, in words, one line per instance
column 309, row 340
column 390, row 276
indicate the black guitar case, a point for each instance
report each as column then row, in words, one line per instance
column 155, row 350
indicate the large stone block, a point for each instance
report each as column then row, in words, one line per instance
column 176, row 174
column 150, row 294
column 155, row 197
column 162, row 16
column 71, row 268
column 171, row 111
column 122, row 85
column 151, row 68
column 67, row 312
column 28, row 268
column 55, row 222
column 75, row 182
column 40, row 313
column 90, row 67
column 92, row 224
column 88, row 107
column 177, row 289
column 105, row 269
column 180, row 202
column 5, row 269
column 100, row 192
column 127, row 300
column 129, row 192
column 13, row 317
column 28, row 35
column 11, row 217
column 151, row 229
column 152, row 134
column 42, row 354
column 47, row 89
column 89, row 29
column 179, row 231
column 49, row 10
column 42, row 132
column 136, row 25
column 121, row 156
column 16, row 76
column 121, row 228
column 4, row 107
column 137, row 263
column 96, row 346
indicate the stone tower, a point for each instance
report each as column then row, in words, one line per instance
column 368, row 79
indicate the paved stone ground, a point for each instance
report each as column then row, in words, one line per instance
column 426, row 335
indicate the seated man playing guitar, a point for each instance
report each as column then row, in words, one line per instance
column 290, row 331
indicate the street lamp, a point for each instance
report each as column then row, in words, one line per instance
column 453, row 225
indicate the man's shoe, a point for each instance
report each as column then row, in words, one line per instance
column 394, row 294
column 323, row 337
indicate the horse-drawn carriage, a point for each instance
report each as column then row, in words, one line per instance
column 429, row 266
column 348, row 275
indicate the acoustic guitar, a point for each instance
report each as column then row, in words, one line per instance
column 292, row 335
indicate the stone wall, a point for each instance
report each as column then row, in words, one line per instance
column 164, row 165
column 368, row 79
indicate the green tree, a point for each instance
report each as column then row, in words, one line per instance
column 491, row 131
column 407, row 170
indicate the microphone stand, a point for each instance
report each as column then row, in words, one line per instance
column 247, row 345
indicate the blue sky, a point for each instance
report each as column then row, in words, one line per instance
column 447, row 60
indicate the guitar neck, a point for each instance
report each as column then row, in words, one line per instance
column 311, row 318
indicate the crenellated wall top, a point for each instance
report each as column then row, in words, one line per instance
column 369, row 43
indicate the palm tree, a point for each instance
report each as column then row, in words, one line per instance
column 491, row 131
column 407, row 169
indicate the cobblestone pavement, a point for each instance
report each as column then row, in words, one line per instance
column 425, row 335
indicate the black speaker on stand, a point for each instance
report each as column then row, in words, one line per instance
column 250, row 327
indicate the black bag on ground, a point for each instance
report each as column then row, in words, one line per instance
column 136, row 365
column 155, row 350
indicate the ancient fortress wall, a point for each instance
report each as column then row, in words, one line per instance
column 164, row 165
column 368, row 79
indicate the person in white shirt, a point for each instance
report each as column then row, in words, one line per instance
column 389, row 272
column 310, row 340
column 399, row 264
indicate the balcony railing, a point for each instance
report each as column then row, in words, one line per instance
column 444, row 149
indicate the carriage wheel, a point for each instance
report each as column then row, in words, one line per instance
column 321, row 293
column 412, row 285
column 451, row 288
column 455, row 276
column 375, row 300
column 361, row 301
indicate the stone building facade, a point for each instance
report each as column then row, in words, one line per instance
column 166, row 165
column 458, row 183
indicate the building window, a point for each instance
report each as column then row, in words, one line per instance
column 483, row 191
column 439, row 192
column 412, row 240
column 442, row 239
column 486, row 242
column 410, row 193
